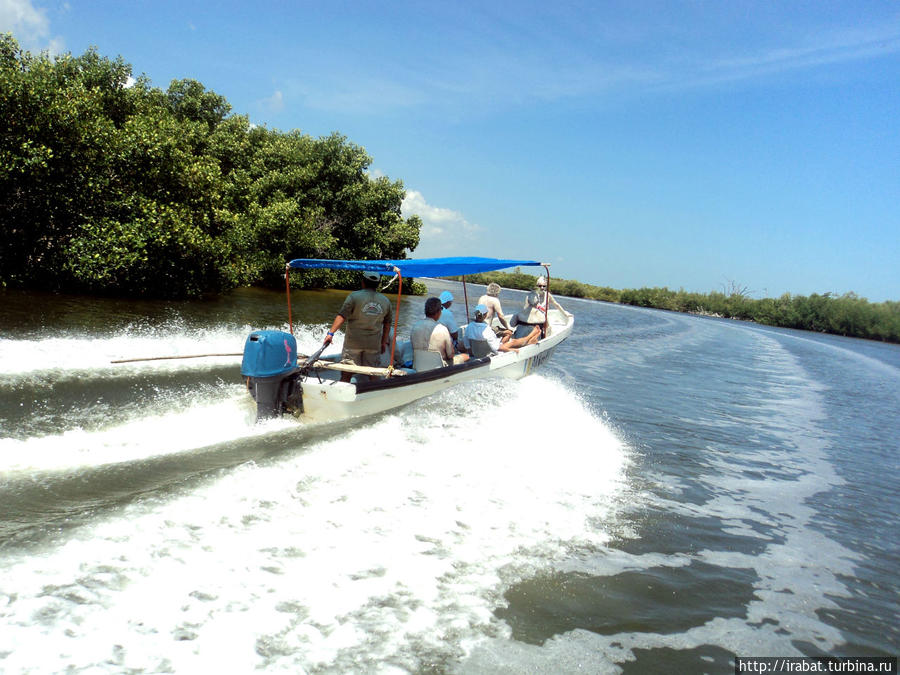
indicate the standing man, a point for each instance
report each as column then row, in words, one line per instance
column 367, row 314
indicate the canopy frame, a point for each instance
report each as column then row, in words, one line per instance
column 422, row 267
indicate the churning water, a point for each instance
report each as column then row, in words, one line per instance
column 668, row 492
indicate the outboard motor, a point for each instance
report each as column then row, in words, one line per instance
column 270, row 363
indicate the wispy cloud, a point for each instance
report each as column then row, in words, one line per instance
column 570, row 75
column 362, row 93
column 273, row 104
column 444, row 231
column 29, row 25
column 510, row 64
column 822, row 50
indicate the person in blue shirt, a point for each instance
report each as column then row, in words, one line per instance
column 447, row 317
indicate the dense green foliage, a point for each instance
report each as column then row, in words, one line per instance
column 109, row 185
column 845, row 314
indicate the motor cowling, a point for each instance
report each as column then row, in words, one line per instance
column 270, row 364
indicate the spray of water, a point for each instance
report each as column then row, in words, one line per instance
column 385, row 546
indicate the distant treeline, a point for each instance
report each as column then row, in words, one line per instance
column 109, row 185
column 846, row 314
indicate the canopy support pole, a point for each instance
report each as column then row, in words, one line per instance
column 287, row 288
column 547, row 301
column 465, row 297
column 396, row 314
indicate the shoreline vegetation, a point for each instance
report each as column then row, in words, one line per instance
column 848, row 315
column 112, row 187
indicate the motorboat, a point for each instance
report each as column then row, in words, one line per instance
column 312, row 387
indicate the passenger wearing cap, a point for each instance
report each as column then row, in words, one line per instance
column 447, row 316
column 429, row 334
column 534, row 313
column 367, row 315
column 480, row 330
column 491, row 300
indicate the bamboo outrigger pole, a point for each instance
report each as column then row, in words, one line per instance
column 164, row 358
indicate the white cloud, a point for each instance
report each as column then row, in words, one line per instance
column 273, row 104
column 28, row 24
column 444, row 231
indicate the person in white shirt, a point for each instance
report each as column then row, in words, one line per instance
column 480, row 330
column 429, row 334
column 534, row 313
column 491, row 300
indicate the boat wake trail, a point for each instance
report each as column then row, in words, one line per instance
column 745, row 526
column 199, row 426
column 391, row 542
column 65, row 407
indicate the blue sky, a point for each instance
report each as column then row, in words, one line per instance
column 693, row 144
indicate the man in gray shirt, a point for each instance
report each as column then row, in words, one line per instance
column 367, row 314
column 429, row 334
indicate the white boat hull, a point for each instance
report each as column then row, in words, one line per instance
column 328, row 400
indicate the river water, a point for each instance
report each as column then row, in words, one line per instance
column 669, row 491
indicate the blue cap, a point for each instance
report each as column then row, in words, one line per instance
column 481, row 309
column 446, row 296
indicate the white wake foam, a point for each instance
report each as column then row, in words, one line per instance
column 384, row 547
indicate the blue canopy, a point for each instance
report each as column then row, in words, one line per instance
column 423, row 267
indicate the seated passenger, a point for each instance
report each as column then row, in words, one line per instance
column 429, row 335
column 404, row 356
column 491, row 300
column 447, row 316
column 402, row 352
column 479, row 330
column 534, row 313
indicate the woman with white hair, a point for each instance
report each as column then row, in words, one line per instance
column 491, row 300
column 534, row 313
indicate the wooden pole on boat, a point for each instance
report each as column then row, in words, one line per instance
column 547, row 301
column 287, row 288
column 397, row 313
column 465, row 297
column 165, row 358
